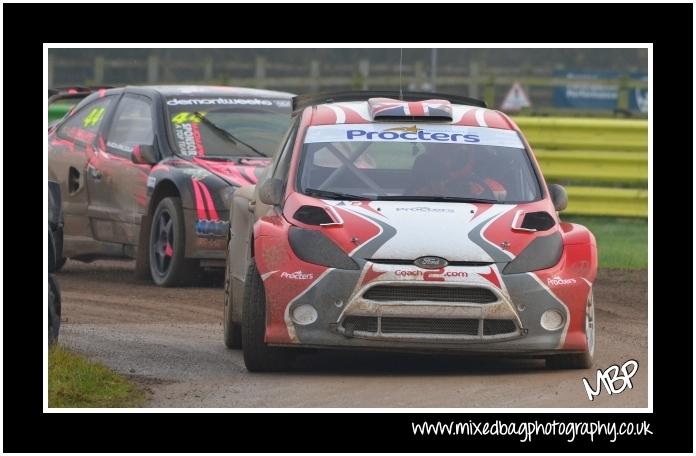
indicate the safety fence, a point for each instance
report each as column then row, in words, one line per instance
column 602, row 162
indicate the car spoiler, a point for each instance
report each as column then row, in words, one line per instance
column 72, row 93
column 302, row 101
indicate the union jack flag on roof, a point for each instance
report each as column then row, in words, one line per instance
column 388, row 107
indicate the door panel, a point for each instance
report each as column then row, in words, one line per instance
column 117, row 186
column 69, row 150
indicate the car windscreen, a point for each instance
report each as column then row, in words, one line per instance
column 228, row 126
column 422, row 162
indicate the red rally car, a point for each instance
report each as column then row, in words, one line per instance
column 414, row 223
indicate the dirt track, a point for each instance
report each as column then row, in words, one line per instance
column 170, row 340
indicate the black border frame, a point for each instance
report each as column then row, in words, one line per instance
column 27, row 428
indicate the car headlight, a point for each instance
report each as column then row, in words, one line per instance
column 541, row 253
column 313, row 247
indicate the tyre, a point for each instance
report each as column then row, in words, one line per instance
column 53, row 310
column 60, row 259
column 168, row 265
column 259, row 357
column 579, row 360
column 232, row 330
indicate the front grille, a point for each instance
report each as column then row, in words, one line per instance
column 495, row 327
column 430, row 293
column 442, row 326
column 464, row 326
column 367, row 324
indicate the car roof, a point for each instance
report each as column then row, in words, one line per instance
column 357, row 112
column 193, row 90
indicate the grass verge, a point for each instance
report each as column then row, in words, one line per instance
column 74, row 381
column 621, row 242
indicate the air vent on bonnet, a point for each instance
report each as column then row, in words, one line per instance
column 386, row 109
column 312, row 215
column 540, row 221
column 533, row 221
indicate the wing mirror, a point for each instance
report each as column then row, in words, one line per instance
column 271, row 192
column 144, row 154
column 559, row 196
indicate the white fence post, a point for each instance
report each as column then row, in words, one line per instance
column 314, row 72
column 260, row 72
column 98, row 70
column 473, row 84
column 364, row 69
column 152, row 69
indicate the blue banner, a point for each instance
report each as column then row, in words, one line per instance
column 585, row 95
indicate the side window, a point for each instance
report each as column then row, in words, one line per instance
column 83, row 125
column 132, row 126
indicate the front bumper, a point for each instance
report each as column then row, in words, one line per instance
column 206, row 239
column 470, row 309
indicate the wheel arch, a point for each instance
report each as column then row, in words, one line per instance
column 241, row 233
column 241, row 245
column 580, row 248
column 164, row 189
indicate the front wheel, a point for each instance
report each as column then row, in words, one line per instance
column 259, row 357
column 168, row 264
column 579, row 360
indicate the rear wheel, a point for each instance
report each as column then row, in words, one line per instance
column 579, row 360
column 168, row 265
column 259, row 357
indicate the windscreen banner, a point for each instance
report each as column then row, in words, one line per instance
column 416, row 133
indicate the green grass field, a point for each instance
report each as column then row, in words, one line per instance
column 76, row 382
column 621, row 242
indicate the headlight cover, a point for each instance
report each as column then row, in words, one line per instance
column 541, row 253
column 313, row 247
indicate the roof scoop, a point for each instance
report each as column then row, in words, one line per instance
column 388, row 109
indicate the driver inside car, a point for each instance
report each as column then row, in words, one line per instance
column 450, row 170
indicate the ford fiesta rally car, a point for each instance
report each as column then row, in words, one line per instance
column 415, row 225
column 148, row 172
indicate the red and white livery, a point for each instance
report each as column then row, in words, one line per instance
column 414, row 224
